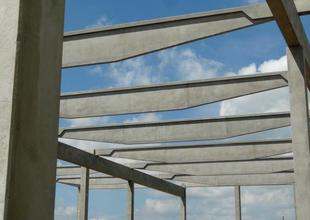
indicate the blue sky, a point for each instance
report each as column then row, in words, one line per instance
column 256, row 49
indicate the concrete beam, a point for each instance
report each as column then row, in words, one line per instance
column 180, row 95
column 202, row 153
column 62, row 179
column 287, row 17
column 180, row 130
column 82, row 158
column 72, row 171
column 244, row 180
column 124, row 186
column 300, row 130
column 30, row 63
column 83, row 195
column 119, row 42
column 198, row 181
column 226, row 168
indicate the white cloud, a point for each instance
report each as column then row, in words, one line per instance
column 81, row 122
column 132, row 72
column 160, row 206
column 272, row 202
column 66, row 212
column 149, row 117
column 273, row 65
column 101, row 21
column 188, row 64
column 172, row 64
column 270, row 101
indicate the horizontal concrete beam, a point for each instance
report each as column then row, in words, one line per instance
column 226, row 168
column 242, row 180
column 289, row 22
column 119, row 42
column 74, row 172
column 180, row 130
column 82, row 158
column 202, row 153
column 177, row 95
column 198, row 181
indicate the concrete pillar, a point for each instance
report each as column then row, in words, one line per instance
column 30, row 62
column 300, row 130
column 131, row 201
column 238, row 203
column 83, row 195
column 183, row 207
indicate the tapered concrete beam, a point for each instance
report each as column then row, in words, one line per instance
column 108, row 178
column 177, row 95
column 72, row 171
column 226, row 168
column 30, row 63
column 244, row 180
column 90, row 161
column 287, row 17
column 83, row 195
column 180, row 130
column 124, row 186
column 93, row 181
column 202, row 153
column 104, row 45
column 198, row 181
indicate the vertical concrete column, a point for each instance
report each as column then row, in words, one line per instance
column 131, row 201
column 300, row 130
column 238, row 203
column 30, row 63
column 83, row 194
column 183, row 207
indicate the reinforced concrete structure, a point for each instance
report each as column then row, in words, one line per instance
column 33, row 49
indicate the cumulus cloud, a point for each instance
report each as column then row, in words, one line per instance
column 273, row 202
column 150, row 117
column 270, row 101
column 101, row 21
column 168, row 65
column 188, row 64
column 65, row 212
column 132, row 72
column 159, row 209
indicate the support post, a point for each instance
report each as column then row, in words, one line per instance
column 183, row 206
column 131, row 201
column 238, row 203
column 300, row 130
column 83, row 195
column 30, row 62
